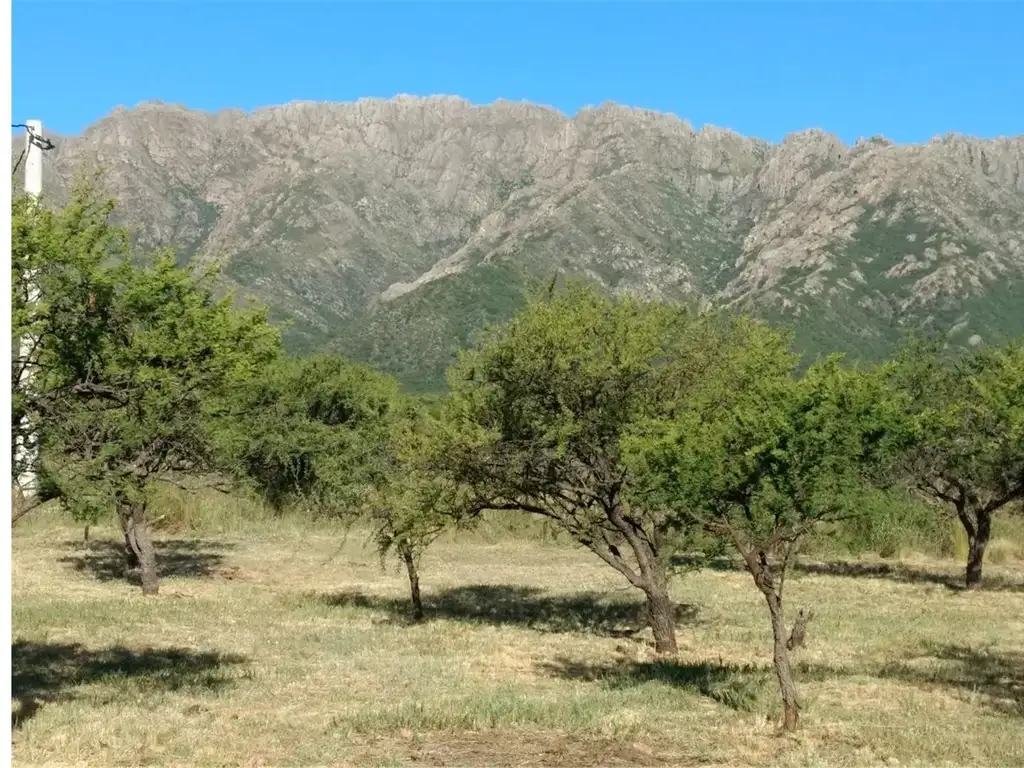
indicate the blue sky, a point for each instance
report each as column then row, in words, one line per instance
column 907, row 70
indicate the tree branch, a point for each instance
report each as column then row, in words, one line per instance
column 20, row 506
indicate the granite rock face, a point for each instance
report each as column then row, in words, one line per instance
column 393, row 230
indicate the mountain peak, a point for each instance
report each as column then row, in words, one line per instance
column 392, row 229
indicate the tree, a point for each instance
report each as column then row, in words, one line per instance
column 969, row 451
column 760, row 456
column 342, row 440
column 538, row 412
column 134, row 362
column 306, row 426
column 408, row 506
column 58, row 306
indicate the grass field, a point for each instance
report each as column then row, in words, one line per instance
column 271, row 648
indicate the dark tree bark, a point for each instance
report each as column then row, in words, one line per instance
column 131, row 559
column 783, row 669
column 140, row 542
column 976, row 545
column 661, row 616
column 978, row 527
column 414, row 581
column 771, row 588
column 650, row 576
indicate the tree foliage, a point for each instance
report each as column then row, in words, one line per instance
column 59, row 298
column 539, row 412
column 969, row 451
column 133, row 363
column 342, row 441
column 759, row 456
column 307, row 425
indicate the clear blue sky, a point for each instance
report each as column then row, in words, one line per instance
column 907, row 70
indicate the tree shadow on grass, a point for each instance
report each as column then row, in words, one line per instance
column 906, row 574
column 184, row 558
column 899, row 572
column 517, row 605
column 739, row 687
column 43, row 673
column 998, row 676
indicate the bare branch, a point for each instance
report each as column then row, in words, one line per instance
column 21, row 506
column 224, row 487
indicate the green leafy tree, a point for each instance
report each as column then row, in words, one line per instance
column 539, row 410
column 59, row 301
column 143, row 412
column 759, row 457
column 307, row 424
column 341, row 440
column 134, row 361
column 969, row 451
column 408, row 505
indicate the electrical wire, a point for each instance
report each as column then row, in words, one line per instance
column 18, row 163
column 35, row 139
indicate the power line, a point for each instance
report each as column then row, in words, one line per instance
column 34, row 138
column 40, row 141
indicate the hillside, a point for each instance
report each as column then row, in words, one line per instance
column 393, row 230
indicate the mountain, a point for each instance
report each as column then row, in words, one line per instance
column 393, row 230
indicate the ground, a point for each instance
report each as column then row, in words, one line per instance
column 269, row 647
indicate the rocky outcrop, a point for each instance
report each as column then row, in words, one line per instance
column 339, row 215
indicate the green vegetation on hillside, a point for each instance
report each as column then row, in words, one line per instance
column 419, row 335
column 868, row 317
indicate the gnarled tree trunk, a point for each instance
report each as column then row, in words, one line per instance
column 771, row 588
column 661, row 614
column 650, row 575
column 977, row 539
column 414, row 580
column 780, row 659
column 131, row 560
column 139, row 541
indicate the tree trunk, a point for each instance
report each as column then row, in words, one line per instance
column 661, row 616
column 131, row 560
column 414, row 582
column 976, row 549
column 140, row 542
column 783, row 670
column 651, row 578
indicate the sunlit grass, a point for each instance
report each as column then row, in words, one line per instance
column 276, row 642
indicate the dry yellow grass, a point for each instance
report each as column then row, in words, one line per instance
column 267, row 648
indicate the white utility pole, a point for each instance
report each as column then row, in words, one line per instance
column 28, row 448
column 34, row 158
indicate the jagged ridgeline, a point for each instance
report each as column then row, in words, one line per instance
column 392, row 231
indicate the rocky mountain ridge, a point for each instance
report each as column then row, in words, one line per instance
column 393, row 230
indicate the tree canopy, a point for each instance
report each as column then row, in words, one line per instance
column 540, row 409
column 758, row 456
column 132, row 363
column 969, row 451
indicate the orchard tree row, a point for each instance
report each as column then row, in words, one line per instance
column 642, row 430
